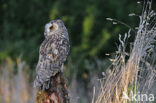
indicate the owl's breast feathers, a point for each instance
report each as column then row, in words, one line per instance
column 53, row 53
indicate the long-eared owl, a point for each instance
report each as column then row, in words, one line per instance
column 53, row 53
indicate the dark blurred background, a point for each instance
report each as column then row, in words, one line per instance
column 91, row 35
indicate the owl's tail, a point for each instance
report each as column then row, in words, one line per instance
column 57, row 91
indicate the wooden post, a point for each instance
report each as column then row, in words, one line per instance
column 57, row 93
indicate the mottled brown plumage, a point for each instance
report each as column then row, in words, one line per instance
column 53, row 53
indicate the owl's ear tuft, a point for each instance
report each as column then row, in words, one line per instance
column 59, row 21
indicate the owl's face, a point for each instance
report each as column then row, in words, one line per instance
column 54, row 27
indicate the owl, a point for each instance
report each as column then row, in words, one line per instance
column 52, row 54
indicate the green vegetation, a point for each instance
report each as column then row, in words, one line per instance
column 22, row 25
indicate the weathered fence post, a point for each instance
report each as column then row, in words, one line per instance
column 57, row 92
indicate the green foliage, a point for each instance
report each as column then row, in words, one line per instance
column 87, row 29
column 22, row 26
column 103, row 42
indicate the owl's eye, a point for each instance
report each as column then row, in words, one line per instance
column 51, row 28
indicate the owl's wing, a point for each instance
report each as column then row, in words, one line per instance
column 53, row 53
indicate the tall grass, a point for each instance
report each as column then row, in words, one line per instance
column 14, row 82
column 133, row 72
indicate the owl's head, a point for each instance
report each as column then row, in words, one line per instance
column 54, row 27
